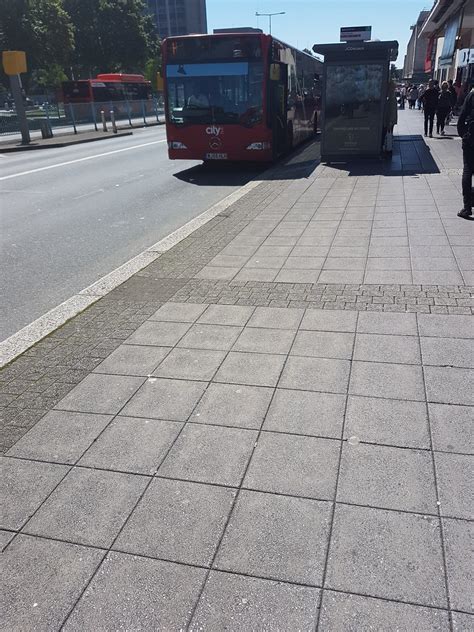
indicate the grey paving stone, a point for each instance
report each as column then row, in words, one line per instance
column 451, row 427
column 387, row 323
column 100, row 394
column 218, row 337
column 455, row 484
column 24, row 486
column 341, row 276
column 386, row 348
column 265, row 262
column 344, row 263
column 395, row 381
column 233, row 405
column 316, row 374
column 190, row 364
column 276, row 318
column 89, row 507
column 132, row 445
column 449, row 385
column 297, row 276
column 257, row 274
column 164, row 334
column 188, row 519
column 329, row 320
column 41, row 580
column 165, row 399
column 133, row 593
column 237, row 315
column 265, row 340
column 304, row 412
column 299, row 466
column 5, row 538
column 217, row 273
column 441, row 326
column 387, row 421
column 233, row 602
column 387, row 554
column 342, row 612
column 387, row 477
column 179, row 312
column 278, row 537
column 60, row 437
column 323, row 344
column 273, row 251
column 304, row 263
column 136, row 360
column 256, row 369
column 457, row 352
column 458, row 538
column 463, row 622
column 210, row 454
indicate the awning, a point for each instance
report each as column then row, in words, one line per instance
column 450, row 34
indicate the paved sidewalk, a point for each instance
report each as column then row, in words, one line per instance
column 268, row 428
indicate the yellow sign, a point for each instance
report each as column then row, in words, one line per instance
column 275, row 72
column 159, row 82
column 14, row 62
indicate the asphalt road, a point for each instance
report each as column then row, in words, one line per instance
column 68, row 216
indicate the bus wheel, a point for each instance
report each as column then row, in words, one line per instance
column 289, row 138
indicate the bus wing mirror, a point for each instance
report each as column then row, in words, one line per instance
column 275, row 72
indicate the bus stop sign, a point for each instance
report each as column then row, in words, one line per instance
column 14, row 62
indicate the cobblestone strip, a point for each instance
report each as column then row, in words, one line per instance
column 430, row 299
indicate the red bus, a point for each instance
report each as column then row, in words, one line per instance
column 117, row 88
column 238, row 96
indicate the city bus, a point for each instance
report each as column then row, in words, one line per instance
column 238, row 96
column 124, row 91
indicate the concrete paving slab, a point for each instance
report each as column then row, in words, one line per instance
column 265, row 340
column 235, row 602
column 226, row 315
column 24, row 487
column 455, row 484
column 323, row 344
column 254, row 369
column 89, row 507
column 451, row 427
column 387, row 554
column 462, row 622
column 387, row 348
column 5, row 538
column 132, row 445
column 130, row 592
column 133, row 360
column 276, row 537
column 392, row 381
column 457, row 352
column 276, row 318
column 387, row 477
column 316, row 374
column 165, row 399
column 190, row 364
column 210, row 454
column 329, row 320
column 233, row 405
column 459, row 562
column 343, row 612
column 41, row 581
column 189, row 518
column 160, row 334
column 387, row 421
column 104, row 394
column 306, row 413
column 179, row 313
column 441, row 326
column 60, row 437
column 387, row 323
column 217, row 337
column 449, row 385
column 298, row 466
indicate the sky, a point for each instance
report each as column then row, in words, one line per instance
column 307, row 22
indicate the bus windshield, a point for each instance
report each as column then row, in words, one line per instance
column 215, row 92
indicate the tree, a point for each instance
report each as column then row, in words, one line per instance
column 395, row 73
column 111, row 35
column 41, row 28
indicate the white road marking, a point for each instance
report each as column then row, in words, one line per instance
column 72, row 162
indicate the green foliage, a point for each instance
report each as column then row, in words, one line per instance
column 49, row 78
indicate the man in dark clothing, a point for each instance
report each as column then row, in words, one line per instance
column 454, row 94
column 430, row 104
column 466, row 131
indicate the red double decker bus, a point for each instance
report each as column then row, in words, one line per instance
column 238, row 96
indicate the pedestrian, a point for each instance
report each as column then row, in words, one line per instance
column 421, row 92
column 454, row 94
column 413, row 96
column 444, row 107
column 466, row 131
column 403, row 96
column 430, row 103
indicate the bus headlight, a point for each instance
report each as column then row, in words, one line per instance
column 259, row 146
column 176, row 144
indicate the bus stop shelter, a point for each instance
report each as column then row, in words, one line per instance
column 355, row 89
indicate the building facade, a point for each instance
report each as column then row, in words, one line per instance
column 178, row 17
column 414, row 66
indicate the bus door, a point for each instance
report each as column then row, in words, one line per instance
column 279, row 107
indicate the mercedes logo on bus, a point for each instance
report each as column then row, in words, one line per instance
column 215, row 143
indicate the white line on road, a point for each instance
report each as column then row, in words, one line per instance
column 71, row 162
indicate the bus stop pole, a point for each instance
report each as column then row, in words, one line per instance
column 129, row 115
column 72, row 118
column 15, row 85
column 93, row 115
column 144, row 113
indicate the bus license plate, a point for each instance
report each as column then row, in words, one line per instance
column 216, row 156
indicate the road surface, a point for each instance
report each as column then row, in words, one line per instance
column 68, row 216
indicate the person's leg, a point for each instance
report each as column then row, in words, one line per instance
column 438, row 121
column 431, row 117
column 444, row 114
column 468, row 164
column 425, row 113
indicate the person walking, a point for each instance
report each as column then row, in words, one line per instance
column 466, row 131
column 430, row 104
column 413, row 96
column 421, row 92
column 444, row 107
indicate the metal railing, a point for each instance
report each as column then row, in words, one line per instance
column 83, row 116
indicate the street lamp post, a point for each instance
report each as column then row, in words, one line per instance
column 269, row 15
